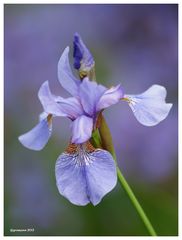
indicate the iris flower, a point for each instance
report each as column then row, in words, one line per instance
column 85, row 174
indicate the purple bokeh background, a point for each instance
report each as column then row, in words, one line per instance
column 135, row 45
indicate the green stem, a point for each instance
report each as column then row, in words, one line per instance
column 96, row 140
column 135, row 202
column 107, row 144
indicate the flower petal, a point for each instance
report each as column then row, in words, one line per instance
column 83, row 59
column 58, row 106
column 89, row 93
column 48, row 101
column 65, row 75
column 110, row 97
column 101, row 175
column 81, row 129
column 38, row 137
column 84, row 176
column 71, row 107
column 150, row 107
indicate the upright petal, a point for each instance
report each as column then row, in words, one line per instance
column 150, row 107
column 65, row 75
column 85, row 175
column 83, row 59
column 38, row 137
column 58, row 106
column 110, row 97
column 81, row 129
column 89, row 93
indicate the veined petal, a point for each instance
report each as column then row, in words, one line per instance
column 110, row 97
column 38, row 137
column 150, row 107
column 65, row 75
column 85, row 174
column 81, row 129
column 58, row 106
column 89, row 93
column 83, row 59
column 101, row 175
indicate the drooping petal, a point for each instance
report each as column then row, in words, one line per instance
column 70, row 180
column 81, row 129
column 101, row 175
column 110, row 97
column 89, row 93
column 150, row 107
column 58, row 106
column 83, row 59
column 84, row 176
column 38, row 137
column 65, row 75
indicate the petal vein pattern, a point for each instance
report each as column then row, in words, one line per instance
column 150, row 107
column 84, row 177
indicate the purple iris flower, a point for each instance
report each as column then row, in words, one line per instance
column 85, row 174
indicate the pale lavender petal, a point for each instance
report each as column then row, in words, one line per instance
column 70, row 179
column 81, row 129
column 48, row 101
column 58, row 106
column 71, row 107
column 65, row 75
column 101, row 175
column 110, row 97
column 150, row 107
column 38, row 137
column 89, row 93
column 84, row 177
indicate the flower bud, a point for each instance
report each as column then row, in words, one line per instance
column 83, row 60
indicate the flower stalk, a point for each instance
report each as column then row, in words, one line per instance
column 107, row 144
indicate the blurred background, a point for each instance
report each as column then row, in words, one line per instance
column 135, row 45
